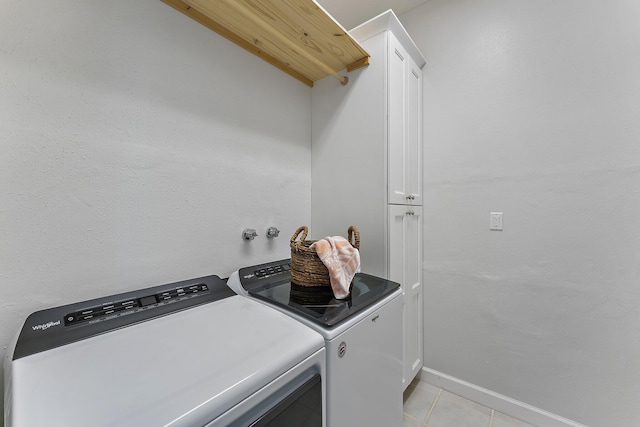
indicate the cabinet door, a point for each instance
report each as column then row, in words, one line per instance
column 398, row 193
column 405, row 267
column 413, row 289
column 405, row 127
column 397, row 217
column 413, row 164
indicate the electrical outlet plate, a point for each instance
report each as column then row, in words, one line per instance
column 495, row 221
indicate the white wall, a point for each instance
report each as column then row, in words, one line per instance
column 136, row 145
column 531, row 109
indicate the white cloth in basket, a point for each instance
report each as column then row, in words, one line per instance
column 341, row 259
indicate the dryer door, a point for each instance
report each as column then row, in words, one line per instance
column 296, row 398
column 303, row 407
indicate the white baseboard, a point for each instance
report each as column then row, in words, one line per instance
column 500, row 403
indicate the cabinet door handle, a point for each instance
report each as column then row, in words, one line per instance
column 410, row 213
column 411, row 197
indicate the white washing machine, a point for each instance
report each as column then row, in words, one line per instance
column 190, row 353
column 363, row 339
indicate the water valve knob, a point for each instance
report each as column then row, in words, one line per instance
column 273, row 232
column 249, row 234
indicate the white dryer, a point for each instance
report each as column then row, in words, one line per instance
column 363, row 339
column 185, row 354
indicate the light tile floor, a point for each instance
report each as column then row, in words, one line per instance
column 428, row 406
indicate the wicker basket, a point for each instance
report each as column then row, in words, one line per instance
column 306, row 267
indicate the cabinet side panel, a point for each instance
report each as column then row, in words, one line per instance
column 348, row 166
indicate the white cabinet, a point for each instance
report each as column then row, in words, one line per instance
column 367, row 166
column 405, row 266
column 405, row 130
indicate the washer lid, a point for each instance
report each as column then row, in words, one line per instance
column 272, row 283
column 185, row 368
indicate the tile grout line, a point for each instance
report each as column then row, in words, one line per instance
column 472, row 407
column 411, row 418
column 433, row 405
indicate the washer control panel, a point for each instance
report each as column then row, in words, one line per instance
column 113, row 309
column 269, row 272
column 55, row 327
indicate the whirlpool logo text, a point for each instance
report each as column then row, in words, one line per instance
column 45, row 326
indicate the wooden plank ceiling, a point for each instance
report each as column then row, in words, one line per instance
column 297, row 36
